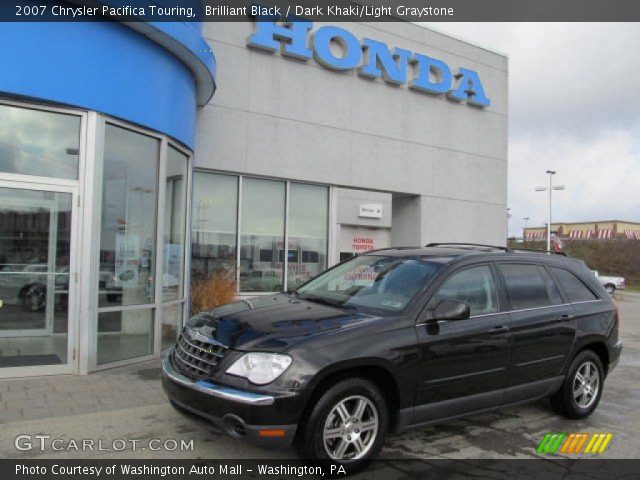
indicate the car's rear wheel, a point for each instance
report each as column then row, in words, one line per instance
column 610, row 288
column 582, row 387
column 347, row 425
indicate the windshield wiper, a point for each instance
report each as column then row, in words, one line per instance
column 324, row 301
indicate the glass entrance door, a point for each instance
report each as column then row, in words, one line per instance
column 36, row 284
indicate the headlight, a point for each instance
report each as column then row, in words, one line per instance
column 260, row 368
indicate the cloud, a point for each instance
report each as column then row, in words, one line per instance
column 601, row 178
column 574, row 107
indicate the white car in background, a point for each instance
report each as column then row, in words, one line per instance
column 611, row 284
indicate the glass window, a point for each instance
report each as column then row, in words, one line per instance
column 525, row 286
column 552, row 288
column 171, row 325
column 214, row 224
column 34, row 142
column 473, row 286
column 575, row 289
column 35, row 249
column 175, row 212
column 262, row 229
column 124, row 335
column 308, row 224
column 128, row 229
column 370, row 281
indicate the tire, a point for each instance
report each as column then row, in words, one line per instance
column 566, row 401
column 35, row 298
column 610, row 288
column 358, row 446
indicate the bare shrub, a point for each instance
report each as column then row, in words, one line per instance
column 218, row 289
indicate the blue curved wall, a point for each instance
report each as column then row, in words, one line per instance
column 107, row 67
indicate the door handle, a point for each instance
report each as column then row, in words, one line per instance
column 566, row 316
column 500, row 329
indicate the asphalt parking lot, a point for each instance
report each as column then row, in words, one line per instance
column 135, row 408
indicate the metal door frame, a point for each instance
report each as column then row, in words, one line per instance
column 72, row 338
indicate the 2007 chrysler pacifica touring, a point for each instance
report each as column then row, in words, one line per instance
column 394, row 339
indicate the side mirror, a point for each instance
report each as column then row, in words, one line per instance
column 451, row 310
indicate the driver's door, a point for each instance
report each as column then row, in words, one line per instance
column 463, row 363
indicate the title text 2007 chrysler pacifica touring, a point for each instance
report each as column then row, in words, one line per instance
column 394, row 339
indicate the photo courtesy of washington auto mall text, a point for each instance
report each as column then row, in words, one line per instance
column 284, row 239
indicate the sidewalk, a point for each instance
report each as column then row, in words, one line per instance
column 59, row 396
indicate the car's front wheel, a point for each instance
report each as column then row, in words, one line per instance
column 582, row 387
column 35, row 298
column 347, row 424
column 610, row 288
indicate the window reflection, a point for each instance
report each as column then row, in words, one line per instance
column 35, row 142
column 35, row 236
column 128, row 231
column 214, row 222
column 262, row 237
column 124, row 335
column 174, row 225
column 308, row 225
column 262, row 223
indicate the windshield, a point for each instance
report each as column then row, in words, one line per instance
column 382, row 283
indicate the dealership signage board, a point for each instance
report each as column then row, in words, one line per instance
column 371, row 58
column 370, row 210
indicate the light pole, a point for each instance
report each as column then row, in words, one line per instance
column 550, row 188
column 526, row 219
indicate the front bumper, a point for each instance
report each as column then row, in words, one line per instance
column 262, row 419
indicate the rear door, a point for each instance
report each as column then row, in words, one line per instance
column 543, row 329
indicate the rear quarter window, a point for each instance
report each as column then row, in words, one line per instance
column 575, row 288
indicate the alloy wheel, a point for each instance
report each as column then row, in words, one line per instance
column 351, row 428
column 586, row 385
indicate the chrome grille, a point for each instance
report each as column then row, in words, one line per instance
column 195, row 355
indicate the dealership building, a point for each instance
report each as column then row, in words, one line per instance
column 138, row 157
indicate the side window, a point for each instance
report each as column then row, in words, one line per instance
column 575, row 289
column 525, row 286
column 474, row 286
column 552, row 288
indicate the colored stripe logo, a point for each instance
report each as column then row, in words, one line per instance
column 572, row 443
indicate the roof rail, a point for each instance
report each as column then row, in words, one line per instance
column 390, row 248
column 537, row 250
column 464, row 244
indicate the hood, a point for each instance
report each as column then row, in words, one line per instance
column 272, row 323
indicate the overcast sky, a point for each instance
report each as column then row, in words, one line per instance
column 574, row 107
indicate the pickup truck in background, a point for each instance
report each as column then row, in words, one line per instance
column 611, row 284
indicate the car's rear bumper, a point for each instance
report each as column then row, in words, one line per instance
column 262, row 419
column 614, row 355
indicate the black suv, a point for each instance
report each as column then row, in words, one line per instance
column 396, row 339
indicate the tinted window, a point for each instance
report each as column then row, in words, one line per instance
column 552, row 288
column 573, row 286
column 383, row 283
column 525, row 286
column 473, row 286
